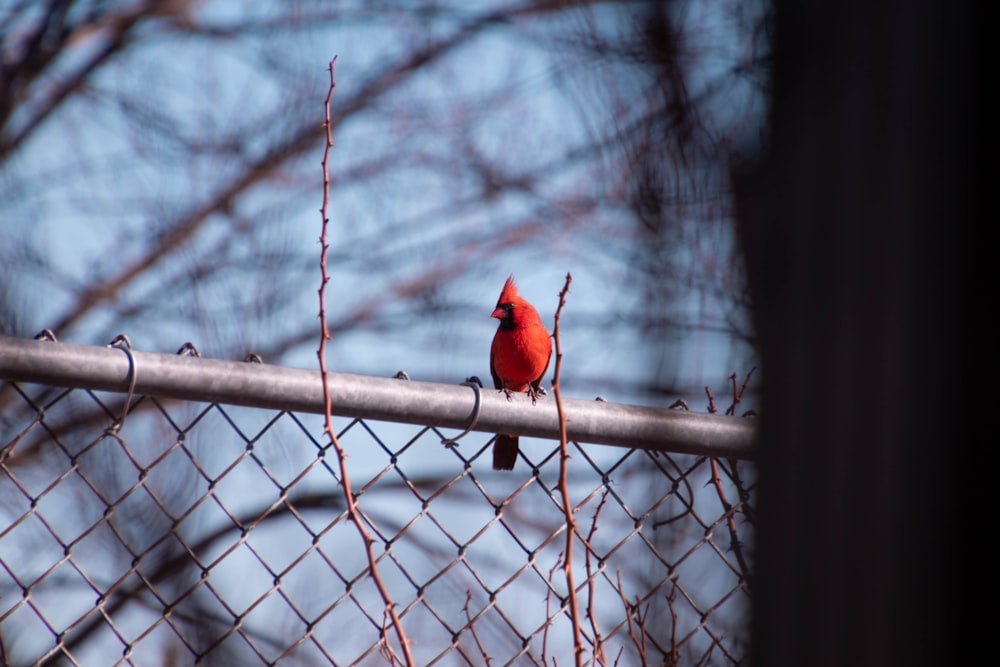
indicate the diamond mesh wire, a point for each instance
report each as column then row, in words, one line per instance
column 210, row 534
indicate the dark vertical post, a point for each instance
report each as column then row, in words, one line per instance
column 854, row 228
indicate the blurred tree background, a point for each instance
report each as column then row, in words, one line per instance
column 160, row 171
column 160, row 176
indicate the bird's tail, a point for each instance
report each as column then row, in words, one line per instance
column 505, row 452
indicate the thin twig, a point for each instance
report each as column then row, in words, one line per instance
column 744, row 493
column 674, row 658
column 738, row 393
column 729, row 512
column 598, row 655
column 571, row 527
column 352, row 510
column 548, row 610
column 735, row 544
column 734, row 537
column 472, row 628
column 636, row 631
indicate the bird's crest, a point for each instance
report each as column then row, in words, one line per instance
column 509, row 292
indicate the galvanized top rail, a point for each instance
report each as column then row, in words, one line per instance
column 362, row 396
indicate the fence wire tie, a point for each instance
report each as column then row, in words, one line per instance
column 122, row 342
column 476, row 385
column 189, row 349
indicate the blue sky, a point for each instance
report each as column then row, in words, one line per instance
column 98, row 184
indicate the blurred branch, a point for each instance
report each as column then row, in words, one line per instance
column 178, row 233
column 31, row 77
column 625, row 174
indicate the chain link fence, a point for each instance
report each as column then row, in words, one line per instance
column 189, row 531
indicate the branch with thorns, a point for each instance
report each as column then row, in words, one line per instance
column 729, row 511
column 352, row 510
column 571, row 527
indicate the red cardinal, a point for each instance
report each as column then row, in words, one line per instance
column 519, row 358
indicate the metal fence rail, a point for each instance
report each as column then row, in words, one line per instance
column 205, row 523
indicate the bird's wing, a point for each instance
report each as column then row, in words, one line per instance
column 497, row 384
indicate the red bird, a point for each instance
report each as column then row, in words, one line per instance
column 519, row 358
